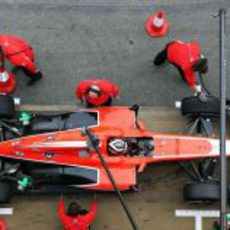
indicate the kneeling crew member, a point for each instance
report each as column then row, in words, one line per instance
column 76, row 218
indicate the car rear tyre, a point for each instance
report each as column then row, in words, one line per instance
column 7, row 106
column 194, row 106
column 201, row 192
column 160, row 57
column 5, row 192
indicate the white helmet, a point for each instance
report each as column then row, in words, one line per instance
column 118, row 146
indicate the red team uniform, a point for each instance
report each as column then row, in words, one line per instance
column 97, row 92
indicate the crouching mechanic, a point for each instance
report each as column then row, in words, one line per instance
column 97, row 92
column 187, row 58
column 76, row 218
column 19, row 53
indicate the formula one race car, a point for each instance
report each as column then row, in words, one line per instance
column 50, row 149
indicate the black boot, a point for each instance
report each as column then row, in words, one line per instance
column 34, row 78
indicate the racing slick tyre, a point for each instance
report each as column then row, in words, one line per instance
column 160, row 57
column 5, row 192
column 194, row 106
column 201, row 192
column 7, row 106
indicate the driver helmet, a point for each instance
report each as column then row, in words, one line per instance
column 118, row 146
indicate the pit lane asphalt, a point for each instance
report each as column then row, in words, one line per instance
column 83, row 39
column 77, row 40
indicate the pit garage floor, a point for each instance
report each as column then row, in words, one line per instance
column 76, row 39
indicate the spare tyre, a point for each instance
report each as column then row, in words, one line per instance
column 194, row 106
column 7, row 106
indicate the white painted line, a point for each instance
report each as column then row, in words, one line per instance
column 193, row 213
column 198, row 215
column 6, row 211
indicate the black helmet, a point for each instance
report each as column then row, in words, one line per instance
column 73, row 209
column 201, row 65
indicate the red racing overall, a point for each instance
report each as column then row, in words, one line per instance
column 107, row 89
column 184, row 56
column 20, row 54
column 79, row 222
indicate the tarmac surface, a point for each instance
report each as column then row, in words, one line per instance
column 77, row 40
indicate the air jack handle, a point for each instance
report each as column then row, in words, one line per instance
column 94, row 141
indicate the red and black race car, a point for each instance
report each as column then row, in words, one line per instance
column 50, row 149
